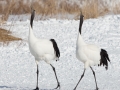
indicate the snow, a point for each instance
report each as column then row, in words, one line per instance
column 18, row 67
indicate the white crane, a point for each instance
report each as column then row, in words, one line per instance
column 89, row 54
column 43, row 49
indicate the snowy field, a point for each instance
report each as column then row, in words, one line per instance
column 18, row 67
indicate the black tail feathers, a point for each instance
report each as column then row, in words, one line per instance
column 104, row 58
column 55, row 48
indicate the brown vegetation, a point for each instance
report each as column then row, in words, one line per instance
column 5, row 36
column 90, row 8
column 116, row 8
column 52, row 8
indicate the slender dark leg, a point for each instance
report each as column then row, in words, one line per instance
column 79, row 80
column 37, row 79
column 58, row 86
column 95, row 78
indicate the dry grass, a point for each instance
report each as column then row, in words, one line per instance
column 116, row 8
column 53, row 8
column 94, row 9
column 90, row 8
column 5, row 36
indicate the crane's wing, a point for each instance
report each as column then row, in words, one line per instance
column 92, row 52
column 93, row 47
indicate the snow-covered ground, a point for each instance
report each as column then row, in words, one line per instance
column 18, row 67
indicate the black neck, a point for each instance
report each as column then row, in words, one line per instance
column 32, row 17
column 81, row 22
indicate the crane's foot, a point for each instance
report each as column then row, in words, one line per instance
column 74, row 88
column 58, row 86
column 97, row 88
column 36, row 88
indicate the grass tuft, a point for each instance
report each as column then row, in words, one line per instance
column 5, row 36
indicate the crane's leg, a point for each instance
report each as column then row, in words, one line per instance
column 37, row 88
column 58, row 86
column 95, row 78
column 79, row 80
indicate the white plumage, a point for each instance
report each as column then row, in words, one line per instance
column 89, row 54
column 42, row 49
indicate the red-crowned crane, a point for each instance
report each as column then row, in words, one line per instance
column 89, row 54
column 43, row 49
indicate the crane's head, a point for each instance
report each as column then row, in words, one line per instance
column 81, row 22
column 32, row 17
column 81, row 15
